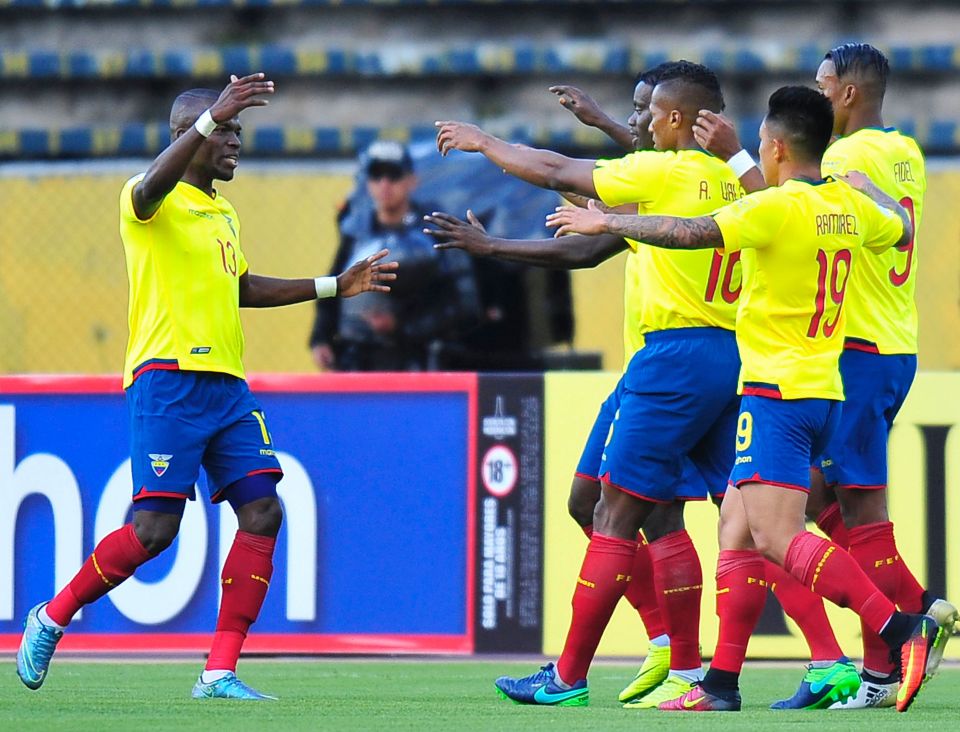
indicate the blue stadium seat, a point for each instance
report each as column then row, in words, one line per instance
column 500, row 57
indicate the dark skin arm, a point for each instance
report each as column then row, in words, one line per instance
column 170, row 165
column 716, row 134
column 542, row 168
column 366, row 275
column 585, row 109
column 667, row 232
column 573, row 252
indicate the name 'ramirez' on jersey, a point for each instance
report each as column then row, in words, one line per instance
column 183, row 267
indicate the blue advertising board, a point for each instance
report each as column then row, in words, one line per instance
column 377, row 549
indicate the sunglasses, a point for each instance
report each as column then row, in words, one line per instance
column 391, row 174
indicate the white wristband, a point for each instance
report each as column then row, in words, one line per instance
column 326, row 287
column 741, row 163
column 205, row 124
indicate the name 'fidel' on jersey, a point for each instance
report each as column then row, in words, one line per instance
column 881, row 311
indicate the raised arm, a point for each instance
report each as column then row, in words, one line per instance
column 585, row 109
column 667, row 232
column 366, row 275
column 716, row 134
column 170, row 165
column 572, row 252
column 542, row 168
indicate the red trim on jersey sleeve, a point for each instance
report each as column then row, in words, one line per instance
column 155, row 365
column 859, row 344
column 584, row 476
column 755, row 388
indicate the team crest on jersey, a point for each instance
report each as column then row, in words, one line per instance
column 159, row 463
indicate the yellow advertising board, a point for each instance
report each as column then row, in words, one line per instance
column 924, row 505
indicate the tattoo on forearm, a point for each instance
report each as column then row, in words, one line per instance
column 576, row 199
column 669, row 232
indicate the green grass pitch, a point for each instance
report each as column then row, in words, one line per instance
column 339, row 694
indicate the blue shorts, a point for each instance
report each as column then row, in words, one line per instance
column 695, row 484
column 672, row 437
column 875, row 387
column 182, row 420
column 590, row 459
column 776, row 439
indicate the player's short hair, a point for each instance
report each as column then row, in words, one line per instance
column 700, row 85
column 805, row 116
column 189, row 105
column 862, row 61
column 651, row 76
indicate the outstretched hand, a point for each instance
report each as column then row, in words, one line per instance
column 240, row 94
column 716, row 134
column 452, row 233
column 367, row 275
column 458, row 136
column 568, row 220
column 581, row 104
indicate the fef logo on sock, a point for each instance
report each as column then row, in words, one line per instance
column 159, row 463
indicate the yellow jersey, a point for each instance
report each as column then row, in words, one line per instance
column 674, row 289
column 183, row 265
column 881, row 311
column 632, row 338
column 800, row 242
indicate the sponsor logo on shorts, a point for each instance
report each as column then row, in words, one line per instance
column 743, row 459
column 159, row 463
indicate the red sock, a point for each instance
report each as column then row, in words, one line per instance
column 831, row 523
column 807, row 611
column 679, row 583
column 875, row 550
column 641, row 592
column 910, row 594
column 588, row 530
column 245, row 579
column 113, row 560
column 603, row 579
column 741, row 594
column 829, row 571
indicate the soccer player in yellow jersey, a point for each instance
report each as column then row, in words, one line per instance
column 671, row 416
column 188, row 400
column 800, row 241
column 657, row 551
column 879, row 358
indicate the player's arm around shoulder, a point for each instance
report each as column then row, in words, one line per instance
column 884, row 232
column 666, row 232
